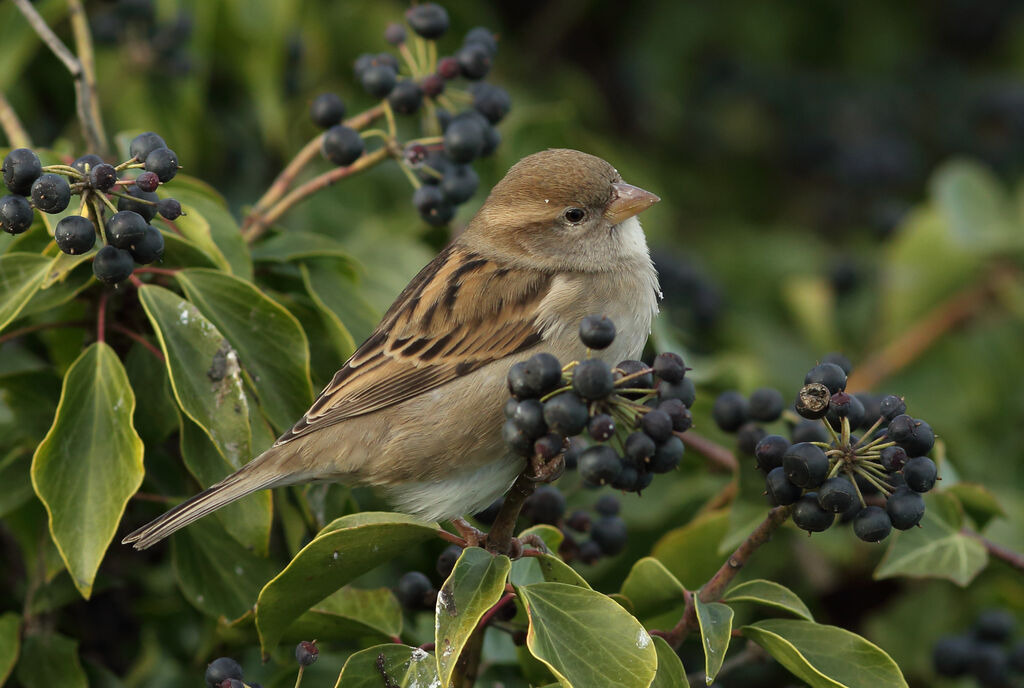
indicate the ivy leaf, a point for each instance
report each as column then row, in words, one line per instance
column 565, row 618
column 294, row 245
column 388, row 665
column 690, row 552
column 475, row 585
column 654, row 593
column 671, row 673
column 350, row 613
column 90, row 462
column 21, row 276
column 48, row 660
column 978, row 502
column 544, row 567
column 937, row 549
column 977, row 208
column 771, row 594
column 715, row 621
column 345, row 549
column 209, row 223
column 826, row 656
column 332, row 287
column 10, row 644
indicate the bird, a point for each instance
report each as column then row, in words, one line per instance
column 416, row 411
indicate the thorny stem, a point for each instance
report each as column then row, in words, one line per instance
column 12, row 126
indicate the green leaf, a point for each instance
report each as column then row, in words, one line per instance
column 270, row 343
column 544, row 567
column 771, row 594
column 10, row 644
column 475, row 585
column 14, row 476
column 551, row 536
column 389, row 665
column 350, row 613
column 217, row 575
column 346, row 548
column 179, row 252
column 21, row 276
column 205, row 375
column 978, row 502
column 210, row 225
column 294, row 245
column 825, row 656
column 690, row 552
column 653, row 592
column 90, row 462
column 248, row 520
column 585, row 638
column 49, row 660
column 333, row 289
column 671, row 673
column 715, row 621
column 937, row 549
column 977, row 208
column 747, row 510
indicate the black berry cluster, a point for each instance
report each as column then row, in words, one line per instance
column 418, row 79
column 985, row 652
column 416, row 592
column 605, row 531
column 225, row 672
column 127, row 237
column 824, row 468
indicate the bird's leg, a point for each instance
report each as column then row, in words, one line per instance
column 473, row 536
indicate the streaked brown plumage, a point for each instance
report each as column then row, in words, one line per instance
column 416, row 410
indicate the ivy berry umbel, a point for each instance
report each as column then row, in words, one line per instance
column 113, row 205
column 458, row 125
column 874, row 478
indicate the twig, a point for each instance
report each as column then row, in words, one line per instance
column 86, row 56
column 719, row 456
column 12, row 126
column 135, row 336
column 489, row 614
column 29, row 329
column 1014, row 559
column 499, row 539
column 101, row 316
column 74, row 66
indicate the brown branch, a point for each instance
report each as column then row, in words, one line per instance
column 14, row 130
column 719, row 456
column 499, row 539
column 1014, row 559
column 87, row 58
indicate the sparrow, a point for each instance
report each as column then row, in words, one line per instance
column 417, row 410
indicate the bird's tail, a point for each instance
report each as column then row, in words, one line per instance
column 252, row 477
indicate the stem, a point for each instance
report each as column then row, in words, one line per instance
column 29, row 329
column 86, row 56
column 869, row 432
column 499, row 539
column 489, row 614
column 12, row 126
column 714, row 452
column 101, row 317
column 298, row 679
column 135, row 336
column 1014, row 559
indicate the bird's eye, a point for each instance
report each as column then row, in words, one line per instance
column 574, row 215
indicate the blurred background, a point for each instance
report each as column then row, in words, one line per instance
column 835, row 177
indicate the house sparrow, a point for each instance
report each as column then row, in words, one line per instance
column 417, row 410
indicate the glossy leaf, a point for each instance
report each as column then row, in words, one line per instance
column 16, row 481
column 90, row 462
column 296, row 245
column 270, row 343
column 937, row 549
column 331, row 286
column 350, row 613
column 544, row 567
column 343, row 550
column 978, row 502
column 825, row 656
column 771, row 594
column 715, row 621
column 690, row 552
column 565, row 618
column 475, row 585
column 21, row 276
column 671, row 673
column 653, row 592
column 205, row 375
column 210, row 225
column 391, row 664
column 10, row 644
column 49, row 660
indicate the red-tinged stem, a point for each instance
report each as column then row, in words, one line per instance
column 135, row 336
column 136, row 282
column 719, row 456
column 101, row 317
column 489, row 614
column 451, row 537
column 1014, row 559
column 170, row 272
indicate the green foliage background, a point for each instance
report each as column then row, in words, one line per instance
column 831, row 174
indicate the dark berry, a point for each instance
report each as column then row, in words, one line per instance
column 220, row 669
column 432, row 206
column 459, row 183
column 491, row 101
column 872, row 524
column 545, row 505
column 516, row 438
column 428, row 20
column 805, row 464
column 920, row 473
column 432, row 170
column 644, row 376
column 51, row 193
column 765, row 404
column 893, row 458
column 769, row 452
column 872, row 408
column 144, row 144
column 342, row 145
column 627, row 480
column 810, row 516
column 657, row 424
column 685, row 391
column 837, row 495
column 599, row 465
column 592, row 379
column 87, row 162
column 812, row 401
column 839, row 359
column 413, row 589
column 952, row 654
column 112, row 264
column 432, row 85
column 164, row 162
column 327, row 109
column 809, row 431
column 669, row 367
column 549, row 446
column 21, row 168
column 75, row 235
column 667, row 456
column 306, row 652
column 125, row 229
column 990, row 664
column 406, row 97
column 543, row 372
column 464, row 139
column 639, row 447
column 15, row 214
column 905, row 508
column 448, row 68
column 579, row 521
column 729, row 411
column 415, row 154
column 597, row 331
column 362, row 63
column 139, row 201
column 483, row 36
column 147, row 181
column 378, row 80
column 394, row 33
column 590, row 552
column 474, row 61
column 892, row 406
column 446, row 560
column 566, row 414
column 994, row 625
column 828, row 374
column 103, row 176
column 748, row 437
column 169, row 208
column 682, row 419
column 608, row 505
column 921, row 439
column 492, row 139
column 843, row 405
column 529, row 416
column 150, row 248
column 610, row 534
column 780, row 491
column 601, row 427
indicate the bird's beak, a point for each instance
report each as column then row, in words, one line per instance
column 627, row 201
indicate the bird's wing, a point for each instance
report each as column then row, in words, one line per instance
column 459, row 313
